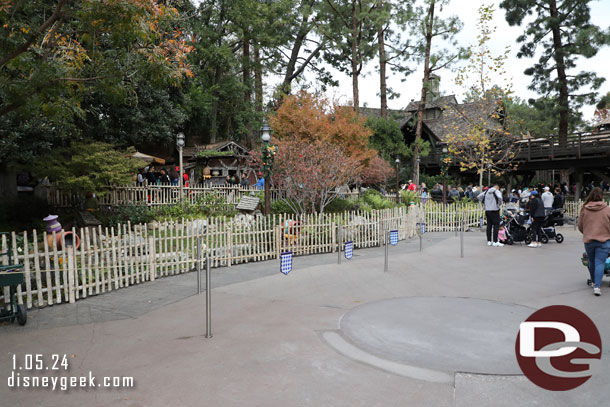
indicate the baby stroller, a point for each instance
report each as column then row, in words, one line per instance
column 554, row 218
column 515, row 227
column 585, row 262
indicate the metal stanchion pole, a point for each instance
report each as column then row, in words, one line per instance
column 208, row 299
column 575, row 223
column 339, row 242
column 198, row 265
column 385, row 265
column 462, row 238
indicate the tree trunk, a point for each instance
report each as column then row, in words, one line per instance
column 258, row 79
column 355, row 71
column 564, row 106
column 217, row 76
column 422, row 102
column 246, row 66
column 285, row 87
column 214, row 115
column 383, row 88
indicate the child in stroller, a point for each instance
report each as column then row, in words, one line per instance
column 515, row 227
column 552, row 219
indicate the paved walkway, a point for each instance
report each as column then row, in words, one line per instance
column 281, row 340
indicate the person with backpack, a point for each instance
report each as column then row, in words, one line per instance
column 492, row 201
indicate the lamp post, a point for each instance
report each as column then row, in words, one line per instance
column 444, row 172
column 397, row 161
column 266, row 137
column 489, row 175
column 180, row 145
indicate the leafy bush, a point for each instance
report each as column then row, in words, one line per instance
column 208, row 205
column 213, row 205
column 407, row 197
column 376, row 200
column 279, row 206
column 88, row 166
column 133, row 213
column 342, row 205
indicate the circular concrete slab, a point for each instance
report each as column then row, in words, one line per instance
column 439, row 333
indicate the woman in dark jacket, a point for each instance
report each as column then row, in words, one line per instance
column 558, row 199
column 537, row 215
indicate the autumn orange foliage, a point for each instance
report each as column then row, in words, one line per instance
column 309, row 117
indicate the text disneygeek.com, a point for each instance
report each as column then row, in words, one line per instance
column 28, row 371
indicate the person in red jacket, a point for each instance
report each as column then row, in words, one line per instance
column 185, row 180
column 594, row 224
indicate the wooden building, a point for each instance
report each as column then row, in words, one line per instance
column 212, row 163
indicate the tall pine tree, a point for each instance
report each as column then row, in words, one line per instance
column 562, row 32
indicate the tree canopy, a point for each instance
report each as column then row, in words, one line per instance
column 560, row 32
column 137, row 72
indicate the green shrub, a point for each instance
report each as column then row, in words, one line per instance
column 407, row 197
column 342, row 205
column 280, row 206
column 376, row 200
column 364, row 207
column 213, row 205
column 133, row 213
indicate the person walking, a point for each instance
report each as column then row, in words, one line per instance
column 558, row 199
column 536, row 211
column 492, row 200
column 547, row 200
column 594, row 224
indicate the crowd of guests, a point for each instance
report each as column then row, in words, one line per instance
column 552, row 196
column 151, row 176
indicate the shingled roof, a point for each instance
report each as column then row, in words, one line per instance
column 455, row 117
column 437, row 102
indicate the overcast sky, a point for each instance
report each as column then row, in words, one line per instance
column 505, row 36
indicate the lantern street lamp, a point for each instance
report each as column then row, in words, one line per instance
column 267, row 164
column 444, row 168
column 180, row 145
column 397, row 162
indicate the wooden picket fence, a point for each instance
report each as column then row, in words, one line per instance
column 154, row 195
column 108, row 259
column 572, row 208
column 112, row 258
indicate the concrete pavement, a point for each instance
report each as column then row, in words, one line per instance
column 269, row 346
